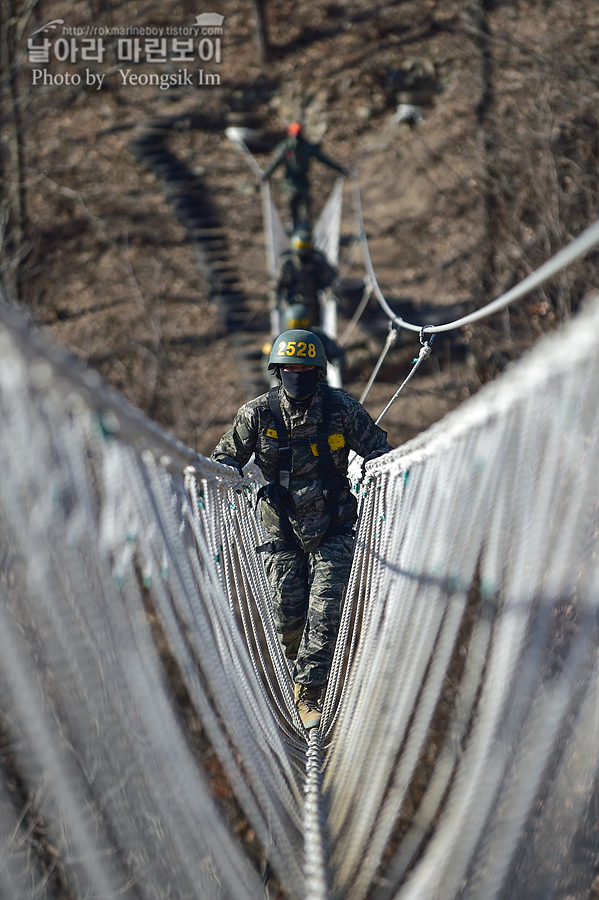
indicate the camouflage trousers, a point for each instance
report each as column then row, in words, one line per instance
column 308, row 589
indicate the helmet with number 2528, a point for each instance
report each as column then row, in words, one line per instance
column 299, row 348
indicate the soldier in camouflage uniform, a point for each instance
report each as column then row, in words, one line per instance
column 303, row 273
column 301, row 433
column 297, row 153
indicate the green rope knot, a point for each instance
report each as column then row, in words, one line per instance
column 109, row 424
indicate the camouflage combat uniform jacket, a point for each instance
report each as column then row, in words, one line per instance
column 350, row 428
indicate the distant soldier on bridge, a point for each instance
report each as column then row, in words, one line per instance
column 296, row 153
column 303, row 274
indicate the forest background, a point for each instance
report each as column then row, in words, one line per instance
column 494, row 172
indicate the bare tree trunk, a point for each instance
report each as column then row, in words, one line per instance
column 12, row 152
column 483, row 110
column 261, row 33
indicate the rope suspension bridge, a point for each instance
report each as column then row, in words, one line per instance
column 457, row 755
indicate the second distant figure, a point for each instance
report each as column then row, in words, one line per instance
column 296, row 153
column 303, row 274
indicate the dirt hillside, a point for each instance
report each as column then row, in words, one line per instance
column 473, row 127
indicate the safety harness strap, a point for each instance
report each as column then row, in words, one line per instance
column 275, row 546
column 332, row 531
column 284, row 461
column 278, row 492
column 329, row 478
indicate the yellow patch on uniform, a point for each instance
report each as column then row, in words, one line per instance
column 270, row 432
column 336, row 441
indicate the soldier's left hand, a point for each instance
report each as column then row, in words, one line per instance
column 374, row 455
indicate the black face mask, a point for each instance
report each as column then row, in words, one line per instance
column 300, row 384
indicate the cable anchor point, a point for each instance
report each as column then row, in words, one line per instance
column 426, row 341
column 427, row 338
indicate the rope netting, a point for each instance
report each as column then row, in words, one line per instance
column 469, row 676
column 140, row 668
column 327, row 230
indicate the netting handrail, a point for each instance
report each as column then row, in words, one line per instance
column 415, row 580
column 119, row 488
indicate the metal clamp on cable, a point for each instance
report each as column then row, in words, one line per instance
column 426, row 340
column 424, row 337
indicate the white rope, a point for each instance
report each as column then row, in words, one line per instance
column 389, row 342
column 366, row 294
column 425, row 352
column 236, row 135
column 585, row 241
column 314, row 850
column 275, row 236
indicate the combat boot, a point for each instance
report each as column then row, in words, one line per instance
column 307, row 700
